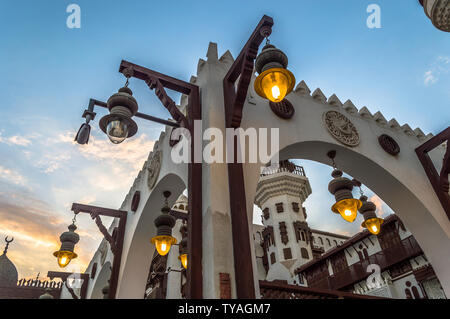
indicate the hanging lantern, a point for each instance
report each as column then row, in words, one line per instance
column 118, row 124
column 371, row 221
column 341, row 188
column 68, row 240
column 183, row 253
column 274, row 81
column 164, row 224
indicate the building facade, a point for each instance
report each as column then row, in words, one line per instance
column 290, row 253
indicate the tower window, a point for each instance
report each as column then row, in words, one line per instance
column 280, row 208
column 304, row 253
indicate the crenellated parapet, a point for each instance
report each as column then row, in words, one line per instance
column 348, row 107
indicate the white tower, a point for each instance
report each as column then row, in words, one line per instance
column 286, row 237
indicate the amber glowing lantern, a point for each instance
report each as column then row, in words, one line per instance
column 164, row 224
column 341, row 188
column 371, row 221
column 274, row 81
column 68, row 240
column 183, row 253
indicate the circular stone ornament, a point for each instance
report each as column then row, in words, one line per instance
column 388, row 144
column 153, row 169
column 283, row 109
column 341, row 128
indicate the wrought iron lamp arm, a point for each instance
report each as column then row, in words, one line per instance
column 93, row 102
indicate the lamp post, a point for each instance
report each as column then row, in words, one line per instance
column 119, row 125
column 115, row 240
column 271, row 64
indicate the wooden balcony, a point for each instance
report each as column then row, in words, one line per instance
column 407, row 249
column 284, row 166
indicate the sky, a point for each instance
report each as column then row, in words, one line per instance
column 49, row 73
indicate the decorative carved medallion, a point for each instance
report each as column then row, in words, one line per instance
column 135, row 201
column 341, row 128
column 388, row 144
column 153, row 169
column 283, row 109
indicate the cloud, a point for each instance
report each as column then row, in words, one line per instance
column 133, row 151
column 36, row 229
column 381, row 210
column 439, row 67
column 15, row 140
column 429, row 78
column 12, row 176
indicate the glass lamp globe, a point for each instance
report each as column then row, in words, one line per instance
column 348, row 208
column 184, row 260
column 373, row 225
column 163, row 244
column 117, row 131
column 275, row 84
column 64, row 257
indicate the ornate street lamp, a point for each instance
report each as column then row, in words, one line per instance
column 164, row 224
column 371, row 221
column 68, row 240
column 341, row 188
column 274, row 81
column 118, row 124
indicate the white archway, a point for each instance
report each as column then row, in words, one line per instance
column 101, row 281
column 138, row 253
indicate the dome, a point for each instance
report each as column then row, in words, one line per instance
column 182, row 199
column 8, row 272
column 181, row 203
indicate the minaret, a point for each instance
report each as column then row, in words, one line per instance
column 287, row 238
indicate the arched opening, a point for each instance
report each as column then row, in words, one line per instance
column 101, row 281
column 393, row 190
column 138, row 252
